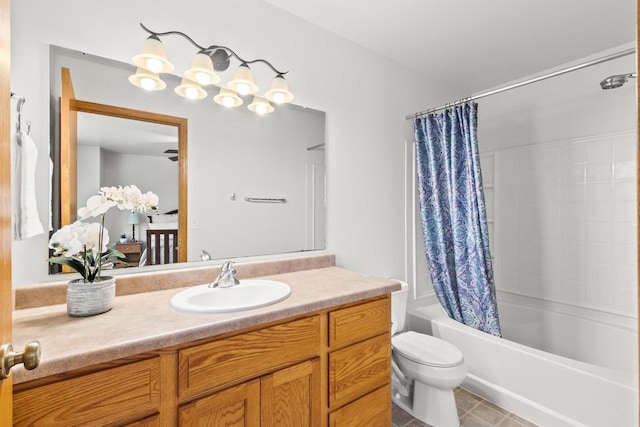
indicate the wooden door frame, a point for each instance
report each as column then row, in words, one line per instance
column 79, row 106
column 6, row 300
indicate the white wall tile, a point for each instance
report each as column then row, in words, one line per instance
column 602, row 171
column 624, row 211
column 624, row 149
column 598, row 191
column 598, row 253
column 624, row 169
column 599, row 151
column 598, row 211
column 623, row 232
column 571, row 192
column 599, row 231
column 565, row 222
column 487, row 169
column 574, row 173
column 624, row 255
column 573, row 154
column 573, row 231
column 624, row 190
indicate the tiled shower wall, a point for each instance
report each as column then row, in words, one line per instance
column 563, row 221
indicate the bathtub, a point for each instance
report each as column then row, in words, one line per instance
column 547, row 389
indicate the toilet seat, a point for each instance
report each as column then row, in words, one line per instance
column 426, row 350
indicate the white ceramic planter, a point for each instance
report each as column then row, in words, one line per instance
column 89, row 299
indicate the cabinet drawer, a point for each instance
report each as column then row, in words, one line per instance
column 356, row 370
column 231, row 360
column 363, row 321
column 108, row 397
column 129, row 248
column 372, row 410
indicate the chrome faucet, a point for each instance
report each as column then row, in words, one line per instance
column 226, row 278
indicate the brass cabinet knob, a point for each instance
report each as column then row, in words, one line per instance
column 30, row 357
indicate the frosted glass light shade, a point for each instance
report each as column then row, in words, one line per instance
column 260, row 105
column 190, row 90
column 279, row 91
column 146, row 80
column 227, row 98
column 153, row 57
column 133, row 218
column 202, row 71
column 243, row 81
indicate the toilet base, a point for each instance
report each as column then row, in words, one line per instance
column 431, row 405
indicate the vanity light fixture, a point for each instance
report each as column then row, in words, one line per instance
column 153, row 56
column 279, row 91
column 260, row 105
column 153, row 60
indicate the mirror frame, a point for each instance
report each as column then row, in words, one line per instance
column 70, row 107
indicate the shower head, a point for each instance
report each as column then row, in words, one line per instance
column 615, row 81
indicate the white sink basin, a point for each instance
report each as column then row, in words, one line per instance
column 247, row 295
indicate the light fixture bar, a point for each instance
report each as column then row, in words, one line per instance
column 213, row 48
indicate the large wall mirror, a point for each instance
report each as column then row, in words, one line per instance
column 256, row 184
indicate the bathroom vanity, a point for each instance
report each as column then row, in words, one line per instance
column 319, row 358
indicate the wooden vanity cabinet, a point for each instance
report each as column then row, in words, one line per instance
column 360, row 365
column 288, row 397
column 331, row 368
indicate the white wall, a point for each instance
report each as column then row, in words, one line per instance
column 364, row 95
column 149, row 173
column 559, row 167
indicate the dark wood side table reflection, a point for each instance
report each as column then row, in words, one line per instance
column 132, row 252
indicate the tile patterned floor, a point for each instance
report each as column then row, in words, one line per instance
column 473, row 412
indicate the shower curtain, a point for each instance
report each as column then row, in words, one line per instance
column 454, row 218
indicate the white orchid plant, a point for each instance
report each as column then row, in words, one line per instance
column 85, row 246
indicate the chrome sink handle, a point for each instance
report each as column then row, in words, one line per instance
column 226, row 278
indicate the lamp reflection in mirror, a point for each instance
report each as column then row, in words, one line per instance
column 133, row 219
column 147, row 80
column 190, row 90
column 153, row 60
column 261, row 106
column 227, row 98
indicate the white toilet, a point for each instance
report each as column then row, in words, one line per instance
column 425, row 370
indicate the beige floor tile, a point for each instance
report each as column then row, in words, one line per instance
column 510, row 422
column 522, row 421
column 399, row 417
column 466, row 402
column 471, row 420
column 488, row 413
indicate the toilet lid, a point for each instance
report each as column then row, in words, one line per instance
column 426, row 350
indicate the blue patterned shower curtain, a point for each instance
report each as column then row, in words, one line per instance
column 454, row 217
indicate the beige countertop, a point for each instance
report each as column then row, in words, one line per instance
column 145, row 322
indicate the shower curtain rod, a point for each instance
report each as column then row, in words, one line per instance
column 525, row 82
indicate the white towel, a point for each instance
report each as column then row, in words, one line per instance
column 25, row 218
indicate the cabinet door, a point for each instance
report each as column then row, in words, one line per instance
column 237, row 406
column 291, row 396
column 152, row 421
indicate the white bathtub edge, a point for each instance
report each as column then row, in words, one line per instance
column 512, row 402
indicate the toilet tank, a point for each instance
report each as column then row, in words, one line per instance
column 399, row 307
